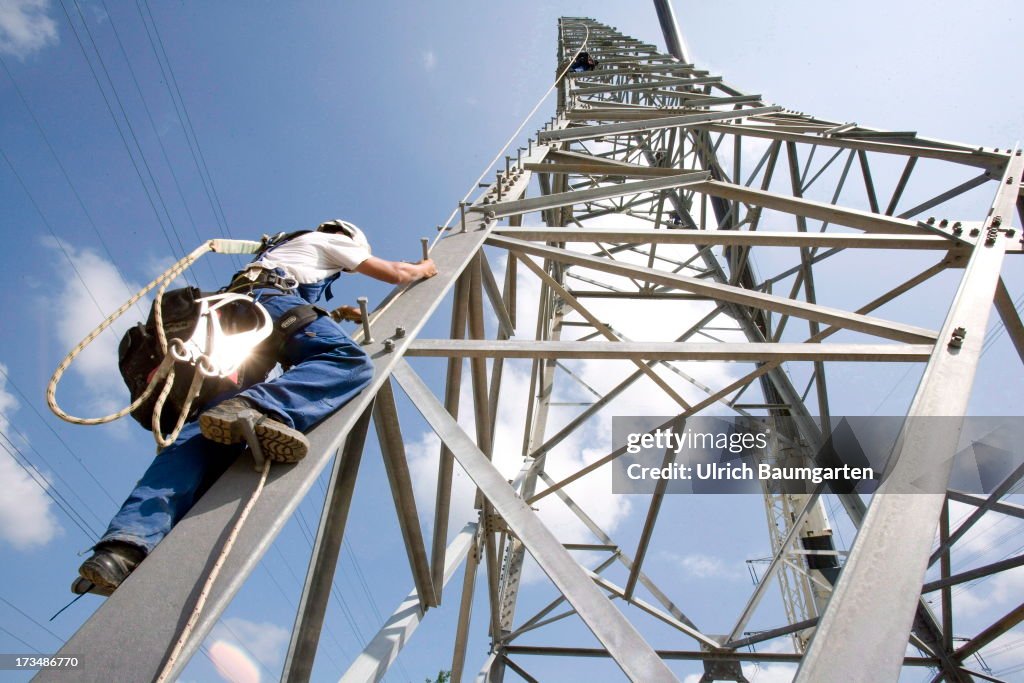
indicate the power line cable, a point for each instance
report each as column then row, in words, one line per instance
column 67, row 177
column 30, row 618
column 353, row 555
column 55, row 496
column 156, row 134
column 53, row 233
column 131, row 129
column 117, row 125
column 51, row 468
column 327, row 627
column 41, row 481
column 197, row 155
column 346, row 608
column 64, row 443
column 33, row 649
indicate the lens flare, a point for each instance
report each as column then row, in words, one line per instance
column 233, row 664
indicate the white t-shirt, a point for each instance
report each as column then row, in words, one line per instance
column 317, row 255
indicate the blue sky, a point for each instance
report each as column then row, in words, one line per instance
column 382, row 113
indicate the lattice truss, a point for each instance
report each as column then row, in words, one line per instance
column 665, row 245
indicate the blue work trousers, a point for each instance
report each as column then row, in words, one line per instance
column 327, row 369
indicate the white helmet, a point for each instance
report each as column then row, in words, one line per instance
column 350, row 230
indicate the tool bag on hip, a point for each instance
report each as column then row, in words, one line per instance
column 139, row 357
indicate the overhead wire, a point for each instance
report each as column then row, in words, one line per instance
column 353, row 555
column 186, row 123
column 340, row 599
column 30, row 618
column 53, row 233
column 59, row 438
column 64, row 172
column 117, row 124
column 30, row 647
column 1000, row 327
column 46, row 463
column 327, row 627
column 156, row 134
column 131, row 129
column 55, row 496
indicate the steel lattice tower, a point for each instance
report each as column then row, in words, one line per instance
column 656, row 187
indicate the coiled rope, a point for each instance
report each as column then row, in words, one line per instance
column 164, row 371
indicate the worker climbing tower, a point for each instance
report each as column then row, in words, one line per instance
column 665, row 245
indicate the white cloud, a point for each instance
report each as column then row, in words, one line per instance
column 26, row 27
column 429, row 60
column 240, row 645
column 704, row 566
column 27, row 518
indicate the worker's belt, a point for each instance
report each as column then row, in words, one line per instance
column 257, row 276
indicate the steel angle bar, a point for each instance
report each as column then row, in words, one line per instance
column 1011, row 619
column 666, row 351
column 981, row 159
column 757, row 238
column 316, row 590
column 538, row 620
column 131, row 633
column 392, row 446
column 633, row 69
column 484, row 675
column 973, row 574
column 875, row 601
column 466, row 608
column 636, row 658
column 831, row 213
column 565, row 156
column 761, row 636
column 520, row 671
column 1004, row 486
column 581, row 168
column 687, row 655
column 947, row 195
column 644, row 85
column 446, row 462
column 601, row 112
column 722, row 292
column 1001, row 507
column 495, row 297
column 373, row 662
column 560, row 199
column 631, row 127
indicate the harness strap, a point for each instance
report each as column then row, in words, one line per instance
column 257, row 276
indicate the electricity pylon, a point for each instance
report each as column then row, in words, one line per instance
column 750, row 234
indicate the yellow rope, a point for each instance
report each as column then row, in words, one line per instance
column 214, row 572
column 165, row 371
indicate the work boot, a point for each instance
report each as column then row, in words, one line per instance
column 279, row 442
column 110, row 564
